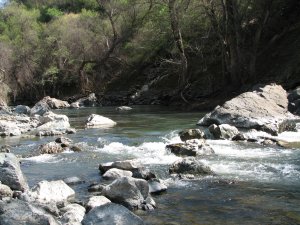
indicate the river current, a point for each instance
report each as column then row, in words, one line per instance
column 253, row 184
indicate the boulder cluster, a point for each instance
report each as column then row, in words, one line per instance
column 54, row 202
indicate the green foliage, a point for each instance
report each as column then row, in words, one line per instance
column 48, row 14
column 52, row 43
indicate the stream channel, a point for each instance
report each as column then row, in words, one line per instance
column 253, row 184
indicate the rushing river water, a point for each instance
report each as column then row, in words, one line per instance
column 253, row 185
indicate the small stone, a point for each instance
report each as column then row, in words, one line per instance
column 96, row 201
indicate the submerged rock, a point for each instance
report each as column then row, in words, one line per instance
column 17, row 212
column 50, row 148
column 264, row 109
column 111, row 213
column 123, row 108
column 95, row 120
column 195, row 147
column 10, row 172
column 191, row 134
column 73, row 180
column 190, row 165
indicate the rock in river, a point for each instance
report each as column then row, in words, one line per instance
column 265, row 108
column 123, row 108
column 194, row 147
column 51, row 191
column 115, row 173
column 191, row 134
column 17, row 212
column 110, row 214
column 136, row 168
column 223, row 131
column 10, row 172
column 72, row 214
column 96, row 201
column 127, row 191
column 95, row 120
column 190, row 165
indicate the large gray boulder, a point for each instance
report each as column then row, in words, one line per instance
column 128, row 191
column 95, row 120
column 52, row 121
column 40, row 108
column 10, row 172
column 190, row 165
column 46, row 104
column 17, row 212
column 52, row 192
column 194, row 147
column 111, row 214
column 265, row 108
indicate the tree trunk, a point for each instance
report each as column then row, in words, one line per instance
column 183, row 79
column 232, row 33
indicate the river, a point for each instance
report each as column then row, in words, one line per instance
column 253, row 184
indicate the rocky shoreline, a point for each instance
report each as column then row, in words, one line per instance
column 129, row 185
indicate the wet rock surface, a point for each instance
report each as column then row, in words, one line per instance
column 109, row 214
column 194, row 147
column 190, row 165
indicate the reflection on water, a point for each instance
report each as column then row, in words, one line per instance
column 253, row 185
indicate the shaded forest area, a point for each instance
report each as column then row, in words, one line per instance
column 198, row 52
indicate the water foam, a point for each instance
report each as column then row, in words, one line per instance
column 45, row 158
column 146, row 153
